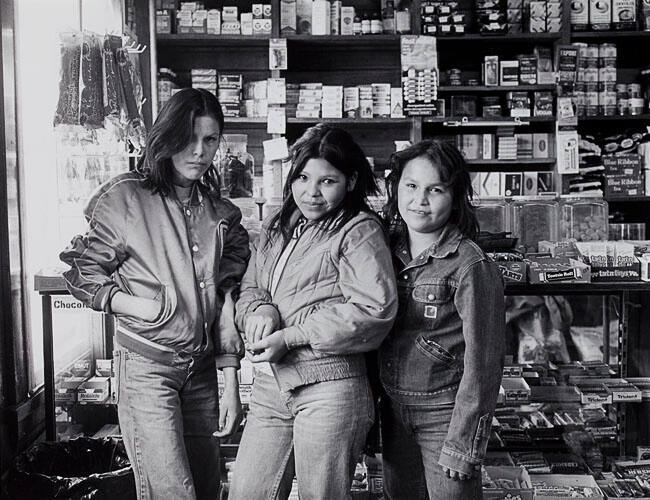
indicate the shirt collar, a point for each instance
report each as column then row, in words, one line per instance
column 446, row 245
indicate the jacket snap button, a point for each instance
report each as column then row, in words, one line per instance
column 195, row 248
column 188, row 212
column 430, row 297
column 405, row 277
column 201, row 284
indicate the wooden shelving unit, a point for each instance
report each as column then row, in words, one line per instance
column 470, row 89
column 617, row 118
column 604, row 36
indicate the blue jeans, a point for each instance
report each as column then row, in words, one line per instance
column 316, row 431
column 167, row 415
column 413, row 436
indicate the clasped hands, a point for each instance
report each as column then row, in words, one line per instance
column 263, row 340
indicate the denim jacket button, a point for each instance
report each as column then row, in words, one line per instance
column 430, row 296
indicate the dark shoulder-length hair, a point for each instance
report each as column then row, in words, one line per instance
column 172, row 132
column 453, row 172
column 337, row 147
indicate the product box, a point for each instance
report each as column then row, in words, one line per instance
column 580, row 15
column 213, row 22
column 335, row 17
column 347, row 20
column 320, row 22
column 230, row 13
column 622, row 164
column 288, row 17
column 529, row 184
column 624, row 185
column 541, row 146
column 513, row 271
column 507, row 483
column 94, row 390
column 304, row 16
column 164, row 21
column 565, row 487
column 543, row 105
column 594, row 393
column 396, row 103
column 509, row 73
column 103, row 367
column 561, row 269
column 600, row 14
column 246, row 23
column 66, row 389
column 528, row 70
column 490, row 184
column 516, row 390
column 511, row 183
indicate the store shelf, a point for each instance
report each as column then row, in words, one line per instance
column 244, row 120
column 508, row 38
column 446, row 89
column 205, row 40
column 620, row 118
column 576, row 288
column 352, row 121
column 603, row 36
column 627, row 199
column 498, row 122
column 348, row 41
column 520, row 161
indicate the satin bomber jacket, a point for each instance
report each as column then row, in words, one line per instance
column 336, row 298
column 448, row 341
column 150, row 245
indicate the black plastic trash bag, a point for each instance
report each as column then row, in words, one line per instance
column 82, row 468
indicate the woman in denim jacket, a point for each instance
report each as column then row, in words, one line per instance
column 441, row 364
column 163, row 252
column 319, row 293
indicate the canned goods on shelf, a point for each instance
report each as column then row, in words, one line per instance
column 607, row 50
column 634, row 90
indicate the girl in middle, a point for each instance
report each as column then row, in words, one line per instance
column 318, row 294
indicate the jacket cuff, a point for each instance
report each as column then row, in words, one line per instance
column 295, row 337
column 459, row 462
column 101, row 301
column 222, row 361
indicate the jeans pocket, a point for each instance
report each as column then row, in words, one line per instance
column 479, row 446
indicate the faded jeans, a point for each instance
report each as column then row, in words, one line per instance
column 316, row 431
column 167, row 415
column 413, row 436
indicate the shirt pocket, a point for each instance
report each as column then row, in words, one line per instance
column 432, row 293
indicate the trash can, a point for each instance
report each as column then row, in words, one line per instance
column 82, row 468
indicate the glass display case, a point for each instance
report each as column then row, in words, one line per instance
column 534, row 219
column 583, row 219
column 492, row 215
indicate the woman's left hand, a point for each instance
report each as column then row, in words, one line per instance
column 230, row 413
column 458, row 476
column 271, row 348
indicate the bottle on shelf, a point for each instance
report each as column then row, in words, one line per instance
column 376, row 26
column 356, row 25
column 388, row 16
column 403, row 21
column 365, row 24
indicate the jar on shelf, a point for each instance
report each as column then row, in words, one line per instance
column 492, row 215
column 534, row 219
column 583, row 219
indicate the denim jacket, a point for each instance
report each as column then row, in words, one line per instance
column 447, row 344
